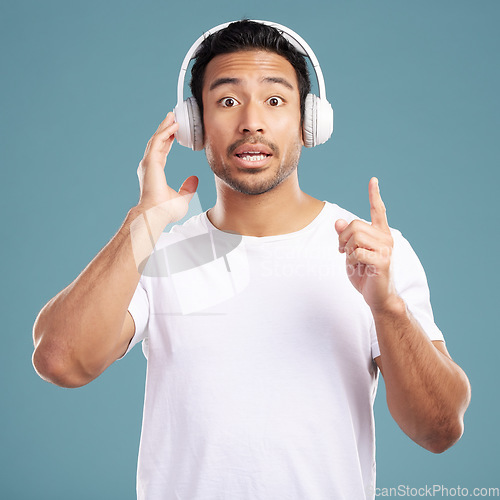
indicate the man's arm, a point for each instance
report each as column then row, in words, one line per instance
column 86, row 326
column 427, row 393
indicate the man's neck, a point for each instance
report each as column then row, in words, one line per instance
column 284, row 209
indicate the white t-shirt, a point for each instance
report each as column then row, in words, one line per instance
column 260, row 377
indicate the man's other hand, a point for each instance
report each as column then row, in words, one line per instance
column 368, row 248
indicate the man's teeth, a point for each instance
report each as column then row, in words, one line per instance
column 252, row 157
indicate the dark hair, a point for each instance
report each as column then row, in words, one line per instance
column 248, row 35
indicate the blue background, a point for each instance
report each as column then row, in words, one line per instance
column 415, row 88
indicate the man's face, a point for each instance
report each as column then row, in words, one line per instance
column 251, row 117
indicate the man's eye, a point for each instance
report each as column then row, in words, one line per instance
column 275, row 101
column 228, row 102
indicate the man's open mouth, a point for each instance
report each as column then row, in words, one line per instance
column 253, row 152
column 252, row 156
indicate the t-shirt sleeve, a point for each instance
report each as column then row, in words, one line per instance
column 411, row 284
column 139, row 309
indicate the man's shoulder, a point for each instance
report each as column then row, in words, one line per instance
column 188, row 227
column 338, row 212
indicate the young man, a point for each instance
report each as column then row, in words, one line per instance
column 262, row 361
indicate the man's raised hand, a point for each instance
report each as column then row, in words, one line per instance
column 159, row 204
column 368, row 249
column 157, row 197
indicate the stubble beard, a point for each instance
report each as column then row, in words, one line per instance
column 261, row 182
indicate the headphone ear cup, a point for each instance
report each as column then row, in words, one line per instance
column 195, row 123
column 190, row 131
column 309, row 122
column 318, row 121
column 324, row 121
column 183, row 134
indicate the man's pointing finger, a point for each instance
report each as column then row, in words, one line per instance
column 377, row 208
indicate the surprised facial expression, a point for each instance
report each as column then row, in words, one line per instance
column 251, row 118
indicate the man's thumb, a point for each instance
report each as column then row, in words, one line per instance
column 340, row 225
column 189, row 187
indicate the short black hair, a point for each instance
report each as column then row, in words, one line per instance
column 248, row 35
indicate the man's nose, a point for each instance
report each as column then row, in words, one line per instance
column 252, row 119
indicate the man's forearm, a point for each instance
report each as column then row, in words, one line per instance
column 427, row 393
column 77, row 333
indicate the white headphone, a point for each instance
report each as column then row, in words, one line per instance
column 318, row 114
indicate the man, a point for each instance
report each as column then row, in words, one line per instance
column 262, row 361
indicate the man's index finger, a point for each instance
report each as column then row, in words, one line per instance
column 377, row 208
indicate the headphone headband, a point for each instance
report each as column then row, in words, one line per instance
column 317, row 123
column 296, row 40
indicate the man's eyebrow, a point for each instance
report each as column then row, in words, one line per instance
column 224, row 81
column 237, row 81
column 277, row 79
